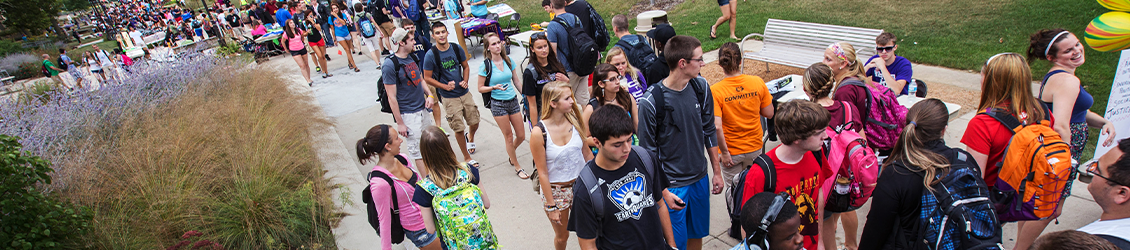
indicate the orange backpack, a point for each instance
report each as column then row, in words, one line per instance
column 1035, row 174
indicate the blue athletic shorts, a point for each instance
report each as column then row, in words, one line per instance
column 693, row 222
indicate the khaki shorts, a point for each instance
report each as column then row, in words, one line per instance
column 741, row 163
column 387, row 28
column 580, row 86
column 459, row 110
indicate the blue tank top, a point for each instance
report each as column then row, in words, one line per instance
column 1083, row 102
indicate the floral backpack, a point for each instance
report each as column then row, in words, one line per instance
column 460, row 214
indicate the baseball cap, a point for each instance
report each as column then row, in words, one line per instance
column 397, row 36
column 662, row 33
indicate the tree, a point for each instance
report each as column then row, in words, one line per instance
column 75, row 5
column 29, row 16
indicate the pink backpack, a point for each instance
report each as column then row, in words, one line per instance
column 854, row 166
column 883, row 117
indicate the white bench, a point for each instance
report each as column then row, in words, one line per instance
column 800, row 44
column 5, row 78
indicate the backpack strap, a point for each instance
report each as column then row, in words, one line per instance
column 392, row 187
column 1045, row 82
column 589, row 184
column 544, row 134
column 768, row 172
column 645, row 156
column 865, row 114
column 1006, row 119
column 1117, row 241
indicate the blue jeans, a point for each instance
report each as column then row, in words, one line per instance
column 327, row 33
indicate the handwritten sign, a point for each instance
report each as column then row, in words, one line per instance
column 1118, row 105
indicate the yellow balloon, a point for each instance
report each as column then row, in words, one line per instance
column 1116, row 5
column 1109, row 32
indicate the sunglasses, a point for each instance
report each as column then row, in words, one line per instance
column 885, row 49
column 536, row 36
column 1088, row 170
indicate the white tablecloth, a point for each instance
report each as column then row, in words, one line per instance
column 798, row 93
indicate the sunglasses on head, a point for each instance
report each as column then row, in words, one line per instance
column 1088, row 170
column 536, row 36
column 885, row 49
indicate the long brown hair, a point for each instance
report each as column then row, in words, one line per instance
column 290, row 33
column 599, row 75
column 440, row 160
column 925, row 122
column 373, row 143
column 1039, row 42
column 730, row 57
column 555, row 92
column 552, row 64
column 1006, row 78
column 818, row 81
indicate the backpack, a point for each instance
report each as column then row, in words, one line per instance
column 490, row 71
column 599, row 30
column 884, row 117
column 382, row 96
column 367, row 28
column 698, row 84
column 770, row 174
column 397, row 235
column 461, row 217
column 851, row 160
column 583, row 54
column 1036, row 171
column 589, row 183
column 43, row 69
column 957, row 213
column 459, row 55
column 640, row 54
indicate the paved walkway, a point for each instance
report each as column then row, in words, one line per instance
column 349, row 101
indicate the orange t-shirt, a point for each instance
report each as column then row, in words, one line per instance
column 739, row 100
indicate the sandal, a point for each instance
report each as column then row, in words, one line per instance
column 355, row 69
column 520, row 173
column 713, row 32
column 473, row 163
column 311, row 84
column 470, row 145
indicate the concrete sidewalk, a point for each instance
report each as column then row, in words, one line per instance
column 348, row 101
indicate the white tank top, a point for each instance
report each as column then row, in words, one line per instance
column 564, row 162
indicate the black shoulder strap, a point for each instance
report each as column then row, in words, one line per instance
column 392, row 187
column 459, row 53
column 544, row 134
column 865, row 111
column 768, row 171
column 1117, row 241
column 649, row 165
column 1005, row 119
column 592, row 187
column 1045, row 82
column 699, row 91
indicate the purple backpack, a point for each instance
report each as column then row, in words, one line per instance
column 884, row 116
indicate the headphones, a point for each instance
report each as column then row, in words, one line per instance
column 758, row 240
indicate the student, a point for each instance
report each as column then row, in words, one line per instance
column 283, row 13
column 800, row 125
column 739, row 103
column 634, row 215
column 382, row 141
column 446, row 70
column 818, row 85
column 292, row 40
column 633, row 77
column 384, row 23
column 547, row 69
column 72, row 67
column 451, row 192
column 608, row 91
column 478, row 8
column 659, row 70
column 1071, row 239
column 52, row 70
column 888, row 69
column 372, row 43
column 418, row 53
column 1006, row 84
column 729, row 10
column 504, row 104
column 341, row 34
column 559, row 40
column 1110, row 192
column 317, row 43
column 681, row 136
column 783, row 228
column 580, row 8
column 1062, row 91
column 840, row 57
column 558, row 147
column 921, row 154
column 410, row 98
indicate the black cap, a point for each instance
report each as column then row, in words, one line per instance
column 662, row 33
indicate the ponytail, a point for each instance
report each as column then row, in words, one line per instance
column 373, row 143
column 925, row 122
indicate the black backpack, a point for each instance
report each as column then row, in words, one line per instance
column 583, row 53
column 958, row 213
column 382, row 96
column 371, row 207
column 640, row 54
column 770, row 173
column 598, row 30
column 698, row 84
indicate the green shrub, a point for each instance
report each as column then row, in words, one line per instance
column 40, row 92
column 9, row 47
column 32, row 219
column 28, row 70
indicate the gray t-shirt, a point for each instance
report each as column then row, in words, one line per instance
column 690, row 130
column 556, row 33
column 409, row 84
column 450, row 68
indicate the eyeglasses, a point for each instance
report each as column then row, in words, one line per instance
column 700, row 59
column 1088, row 170
column 614, row 79
column 885, row 49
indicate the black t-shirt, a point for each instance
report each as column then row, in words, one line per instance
column 580, row 8
column 377, row 7
column 424, row 199
column 896, row 205
column 658, row 71
column 632, row 197
column 531, row 86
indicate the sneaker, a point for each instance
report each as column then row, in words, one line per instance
column 327, row 57
column 317, row 69
column 384, row 53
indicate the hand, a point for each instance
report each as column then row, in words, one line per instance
column 671, row 200
column 428, row 102
column 463, row 84
column 554, row 217
column 499, row 87
column 402, row 129
column 449, row 86
column 725, row 159
column 562, row 77
column 871, row 64
column 718, row 184
column 1108, row 129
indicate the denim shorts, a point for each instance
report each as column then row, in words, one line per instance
column 504, row 107
column 420, row 238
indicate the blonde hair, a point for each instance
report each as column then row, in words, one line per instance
column 818, row 81
column 854, row 68
column 556, row 91
column 1007, row 78
column 925, row 122
column 616, row 51
column 436, row 152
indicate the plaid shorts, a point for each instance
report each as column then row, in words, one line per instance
column 562, row 195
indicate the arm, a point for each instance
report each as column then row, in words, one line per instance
column 484, row 86
column 585, row 114
column 1062, row 90
column 537, row 150
column 381, row 192
column 709, row 134
column 884, row 211
column 587, row 244
column 429, row 219
column 390, row 91
column 665, row 222
column 535, row 117
column 645, row 127
column 466, row 70
column 980, row 158
column 514, row 71
column 635, row 112
column 723, row 151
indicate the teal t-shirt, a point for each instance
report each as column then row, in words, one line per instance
column 500, row 76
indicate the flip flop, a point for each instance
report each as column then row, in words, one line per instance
column 471, row 148
column 521, row 172
column 473, row 163
column 713, row 32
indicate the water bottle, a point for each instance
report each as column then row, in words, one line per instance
column 843, row 185
column 913, row 89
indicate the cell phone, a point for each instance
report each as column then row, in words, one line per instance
column 680, row 203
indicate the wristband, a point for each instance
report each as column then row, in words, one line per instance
column 551, row 208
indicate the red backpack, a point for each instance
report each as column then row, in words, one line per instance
column 854, row 166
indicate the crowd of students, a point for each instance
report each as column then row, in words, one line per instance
column 627, row 156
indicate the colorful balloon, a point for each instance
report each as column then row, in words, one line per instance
column 1109, row 32
column 1116, row 5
